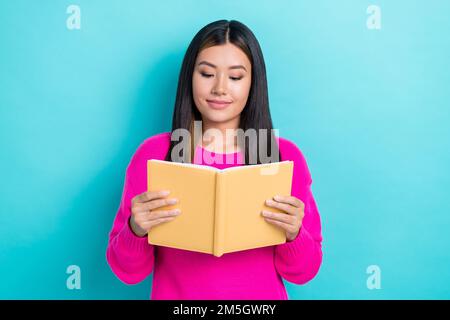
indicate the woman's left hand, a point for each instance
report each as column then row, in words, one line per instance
column 291, row 220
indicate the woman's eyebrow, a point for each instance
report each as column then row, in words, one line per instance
column 214, row 66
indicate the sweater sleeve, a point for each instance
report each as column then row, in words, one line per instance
column 298, row 261
column 130, row 257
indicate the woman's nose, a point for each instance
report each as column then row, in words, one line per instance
column 219, row 87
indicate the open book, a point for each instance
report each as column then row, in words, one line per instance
column 220, row 208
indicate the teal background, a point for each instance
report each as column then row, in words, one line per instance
column 368, row 108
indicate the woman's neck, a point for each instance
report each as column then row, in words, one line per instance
column 217, row 140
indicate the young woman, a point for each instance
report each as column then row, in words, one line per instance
column 223, row 84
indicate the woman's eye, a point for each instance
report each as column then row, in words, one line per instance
column 207, row 75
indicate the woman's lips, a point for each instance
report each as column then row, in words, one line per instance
column 218, row 104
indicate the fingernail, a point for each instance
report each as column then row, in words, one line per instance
column 172, row 201
column 165, row 192
column 269, row 202
column 176, row 211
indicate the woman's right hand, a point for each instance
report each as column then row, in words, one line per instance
column 144, row 215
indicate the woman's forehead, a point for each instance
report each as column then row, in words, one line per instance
column 226, row 55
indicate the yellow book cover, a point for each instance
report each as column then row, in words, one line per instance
column 220, row 208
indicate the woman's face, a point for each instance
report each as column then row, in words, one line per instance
column 221, row 74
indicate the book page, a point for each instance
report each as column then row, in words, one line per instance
column 188, row 165
column 195, row 189
column 246, row 193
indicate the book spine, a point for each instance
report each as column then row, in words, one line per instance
column 219, row 215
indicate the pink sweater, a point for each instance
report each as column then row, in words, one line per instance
column 254, row 274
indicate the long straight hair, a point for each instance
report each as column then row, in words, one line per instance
column 256, row 113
